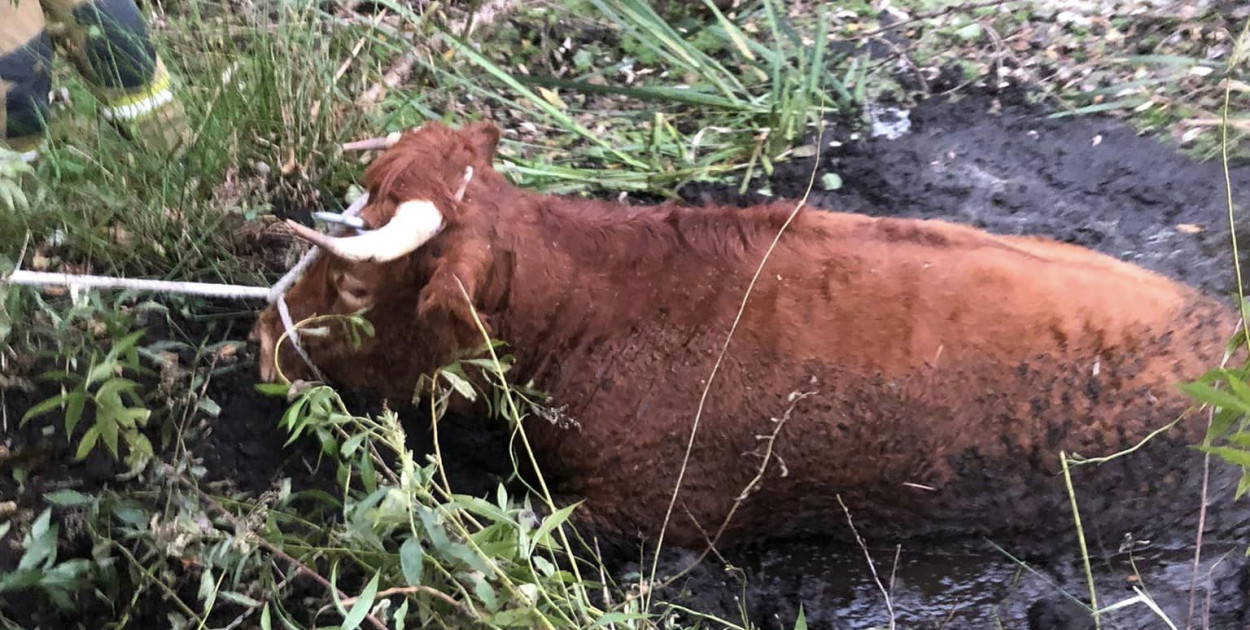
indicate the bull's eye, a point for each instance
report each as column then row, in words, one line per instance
column 353, row 291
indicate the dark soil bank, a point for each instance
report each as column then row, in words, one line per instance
column 1007, row 168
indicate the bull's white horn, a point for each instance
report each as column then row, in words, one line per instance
column 414, row 223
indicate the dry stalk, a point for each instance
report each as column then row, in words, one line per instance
column 768, row 442
column 889, row 603
column 409, row 590
column 393, row 77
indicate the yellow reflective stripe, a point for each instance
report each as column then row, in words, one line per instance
column 138, row 110
column 131, row 106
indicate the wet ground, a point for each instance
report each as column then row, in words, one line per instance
column 990, row 161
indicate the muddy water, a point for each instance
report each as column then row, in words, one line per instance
column 1006, row 168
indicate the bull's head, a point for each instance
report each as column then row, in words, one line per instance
column 424, row 241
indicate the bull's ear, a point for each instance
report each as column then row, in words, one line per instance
column 483, row 137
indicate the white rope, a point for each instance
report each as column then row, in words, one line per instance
column 43, row 278
column 277, row 293
column 293, row 335
column 312, row 254
column 274, row 295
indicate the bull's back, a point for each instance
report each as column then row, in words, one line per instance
column 955, row 366
column 887, row 296
column 943, row 370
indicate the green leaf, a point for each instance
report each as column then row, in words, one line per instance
column 329, row 445
column 73, row 411
column 1242, row 485
column 831, row 181
column 88, row 442
column 362, row 605
column 209, row 407
column 368, row 474
column 43, row 407
column 401, row 614
column 334, row 589
column 1237, row 386
column 108, row 432
column 1215, row 397
column 544, row 566
column 113, row 387
column 272, row 389
column 515, row 617
column 550, row 523
column 239, row 598
column 486, row 593
column 20, row 579
column 583, row 59
column 352, row 443
column 125, row 344
column 970, row 32
column 460, row 384
column 67, row 498
column 265, row 623
column 101, row 371
column 801, row 622
column 481, row 508
column 292, row 417
column 442, row 544
column 40, row 542
column 1234, row 456
column 1221, row 422
column 132, row 515
column 615, row 617
column 411, row 561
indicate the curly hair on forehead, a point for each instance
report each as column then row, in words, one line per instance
column 430, row 164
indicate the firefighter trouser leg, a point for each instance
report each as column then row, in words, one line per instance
column 25, row 75
column 109, row 44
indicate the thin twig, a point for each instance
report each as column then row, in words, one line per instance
column 160, row 584
column 409, row 590
column 371, row 144
column 338, row 74
column 392, row 78
column 1080, row 537
column 243, row 530
column 769, row 442
column 889, row 604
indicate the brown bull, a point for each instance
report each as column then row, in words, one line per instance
column 944, row 368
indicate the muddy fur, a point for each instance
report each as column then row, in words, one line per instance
column 935, row 355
